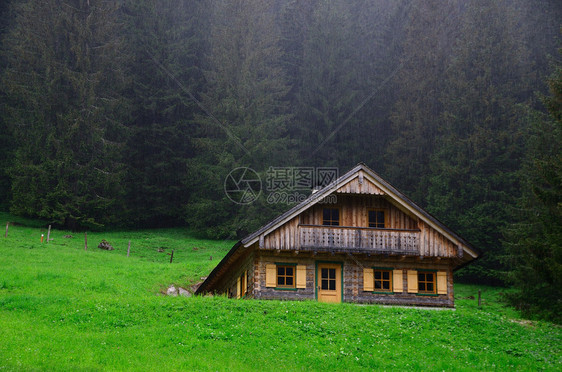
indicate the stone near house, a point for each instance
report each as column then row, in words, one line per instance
column 184, row 292
column 172, row 291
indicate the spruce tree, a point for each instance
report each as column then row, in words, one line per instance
column 6, row 140
column 431, row 28
column 480, row 139
column 330, row 86
column 165, row 42
column 243, row 118
column 534, row 254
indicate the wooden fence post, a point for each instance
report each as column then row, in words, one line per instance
column 129, row 248
column 479, row 298
column 49, row 234
column 7, row 225
column 85, row 241
column 172, row 256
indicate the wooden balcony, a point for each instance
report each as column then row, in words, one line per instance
column 359, row 239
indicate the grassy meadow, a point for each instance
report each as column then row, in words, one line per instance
column 64, row 308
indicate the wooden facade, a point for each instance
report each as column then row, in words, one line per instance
column 370, row 244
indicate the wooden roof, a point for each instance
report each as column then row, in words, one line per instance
column 359, row 180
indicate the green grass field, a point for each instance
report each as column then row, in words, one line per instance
column 64, row 308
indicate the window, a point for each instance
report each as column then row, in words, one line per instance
column 285, row 276
column 328, row 279
column 383, row 280
column 376, row 218
column 426, row 282
column 331, row 217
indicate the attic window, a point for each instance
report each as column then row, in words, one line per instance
column 377, row 218
column 331, row 217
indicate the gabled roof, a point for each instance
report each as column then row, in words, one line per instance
column 376, row 184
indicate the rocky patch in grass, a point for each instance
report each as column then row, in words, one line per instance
column 177, row 291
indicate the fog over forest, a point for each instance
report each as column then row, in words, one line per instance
column 133, row 112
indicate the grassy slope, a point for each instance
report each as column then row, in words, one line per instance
column 62, row 308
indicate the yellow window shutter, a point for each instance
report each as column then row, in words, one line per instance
column 270, row 275
column 301, row 276
column 412, row 281
column 397, row 281
column 368, row 280
column 441, row 282
column 238, row 288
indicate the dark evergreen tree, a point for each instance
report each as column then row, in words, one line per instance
column 165, row 40
column 295, row 18
column 379, row 29
column 244, row 123
column 6, row 141
column 534, row 254
column 64, row 72
column 431, row 30
column 330, row 84
column 480, row 142
column 356, row 44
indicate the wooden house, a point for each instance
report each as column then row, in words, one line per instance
column 357, row 240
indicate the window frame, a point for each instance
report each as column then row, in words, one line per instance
column 328, row 279
column 385, row 214
column 332, row 220
column 434, row 282
column 390, row 281
column 279, row 265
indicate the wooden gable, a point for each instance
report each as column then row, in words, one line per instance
column 360, row 185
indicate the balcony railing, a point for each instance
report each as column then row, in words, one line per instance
column 339, row 238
